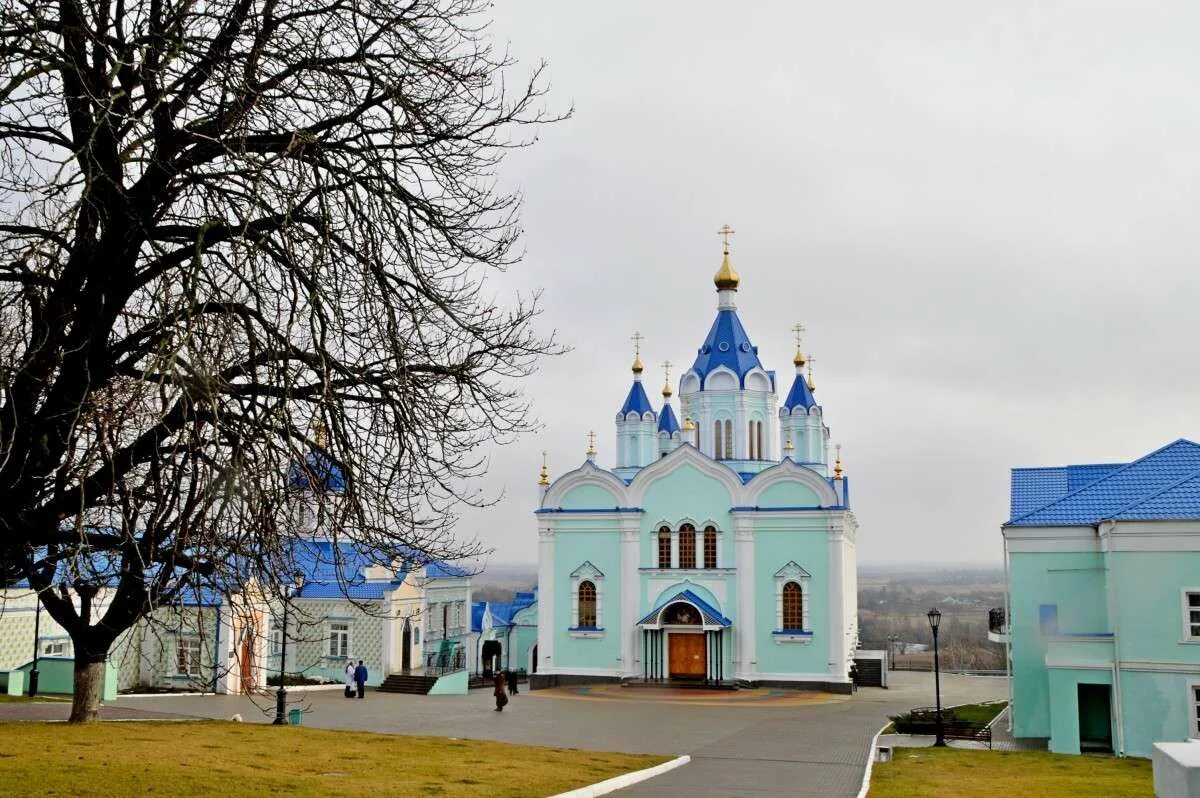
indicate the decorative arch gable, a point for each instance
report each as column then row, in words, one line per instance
column 587, row 474
column 721, row 378
column 689, row 383
column 758, row 380
column 790, row 471
column 684, row 456
column 587, row 571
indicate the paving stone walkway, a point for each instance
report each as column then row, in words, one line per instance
column 61, row 710
column 814, row 745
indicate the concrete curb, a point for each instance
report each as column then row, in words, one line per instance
column 624, row 780
column 866, row 782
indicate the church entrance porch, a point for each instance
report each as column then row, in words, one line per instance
column 683, row 642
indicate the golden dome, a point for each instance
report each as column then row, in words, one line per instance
column 667, row 390
column 798, row 361
column 726, row 278
column 688, row 426
column 637, row 364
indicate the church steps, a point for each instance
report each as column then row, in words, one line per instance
column 410, row 684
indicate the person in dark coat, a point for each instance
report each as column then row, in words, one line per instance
column 360, row 678
column 498, row 690
column 511, row 678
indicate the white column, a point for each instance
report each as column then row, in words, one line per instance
column 835, row 599
column 675, row 548
column 545, row 642
column 741, row 440
column 744, row 546
column 629, row 605
column 699, row 548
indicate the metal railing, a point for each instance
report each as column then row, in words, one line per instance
column 439, row 663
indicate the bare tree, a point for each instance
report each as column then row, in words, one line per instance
column 221, row 221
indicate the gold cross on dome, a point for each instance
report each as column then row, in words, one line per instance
column 591, row 442
column 637, row 339
column 666, row 367
column 725, row 232
column 798, row 330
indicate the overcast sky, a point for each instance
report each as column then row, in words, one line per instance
column 984, row 214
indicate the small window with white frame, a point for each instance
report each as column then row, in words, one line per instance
column 56, row 647
column 1191, row 615
column 187, row 656
column 339, row 639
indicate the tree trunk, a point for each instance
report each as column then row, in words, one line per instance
column 89, row 687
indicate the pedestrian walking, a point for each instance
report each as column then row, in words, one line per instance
column 350, row 679
column 498, row 690
column 510, row 676
column 360, row 678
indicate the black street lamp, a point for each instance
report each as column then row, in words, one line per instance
column 892, row 651
column 281, row 693
column 935, row 620
column 37, row 632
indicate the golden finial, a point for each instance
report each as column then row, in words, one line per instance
column 319, row 432
column 726, row 277
column 688, row 426
column 544, row 477
column 787, row 444
column 666, row 366
column 637, row 339
column 837, row 466
column 591, row 450
column 798, row 330
column 812, row 386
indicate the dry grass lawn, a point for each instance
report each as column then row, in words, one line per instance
column 244, row 759
column 960, row 773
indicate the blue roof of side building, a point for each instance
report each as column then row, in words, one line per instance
column 1141, row 486
column 336, row 571
column 1174, row 502
column 727, row 344
column 478, row 609
column 666, row 420
column 637, row 401
column 800, row 395
column 328, row 475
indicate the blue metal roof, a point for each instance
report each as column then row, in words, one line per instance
column 1036, row 487
column 637, row 401
column 443, row 570
column 727, row 344
column 666, row 420
column 478, row 608
column 336, row 571
column 1174, row 502
column 800, row 395
column 711, row 616
column 1120, row 489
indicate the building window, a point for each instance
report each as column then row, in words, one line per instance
column 687, row 546
column 710, row 547
column 1195, row 732
column 759, row 437
column 339, row 639
column 1191, row 619
column 718, row 445
column 664, row 547
column 56, row 648
column 728, row 440
column 187, row 656
column 276, row 641
column 416, row 635
column 445, row 619
column 587, row 604
column 793, row 606
column 754, row 431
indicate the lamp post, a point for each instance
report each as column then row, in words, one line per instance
column 281, row 693
column 935, row 620
column 37, row 632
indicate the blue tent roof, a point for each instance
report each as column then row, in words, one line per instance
column 666, row 420
column 711, row 616
column 800, row 395
column 1141, row 487
column 727, row 344
column 328, row 476
column 637, row 401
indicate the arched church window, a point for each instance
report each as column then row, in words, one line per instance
column 664, row 547
column 587, row 603
column 728, row 440
column 687, row 546
column 793, row 606
column 718, row 446
column 761, row 456
column 710, row 547
column 750, row 440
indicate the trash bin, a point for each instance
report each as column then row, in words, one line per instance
column 295, row 716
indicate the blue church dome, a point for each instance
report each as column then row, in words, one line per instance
column 328, row 476
column 666, row 420
column 637, row 401
column 800, row 395
column 727, row 344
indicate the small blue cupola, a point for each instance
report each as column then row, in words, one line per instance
column 728, row 345
column 803, row 434
column 801, row 394
column 667, row 423
column 636, row 424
